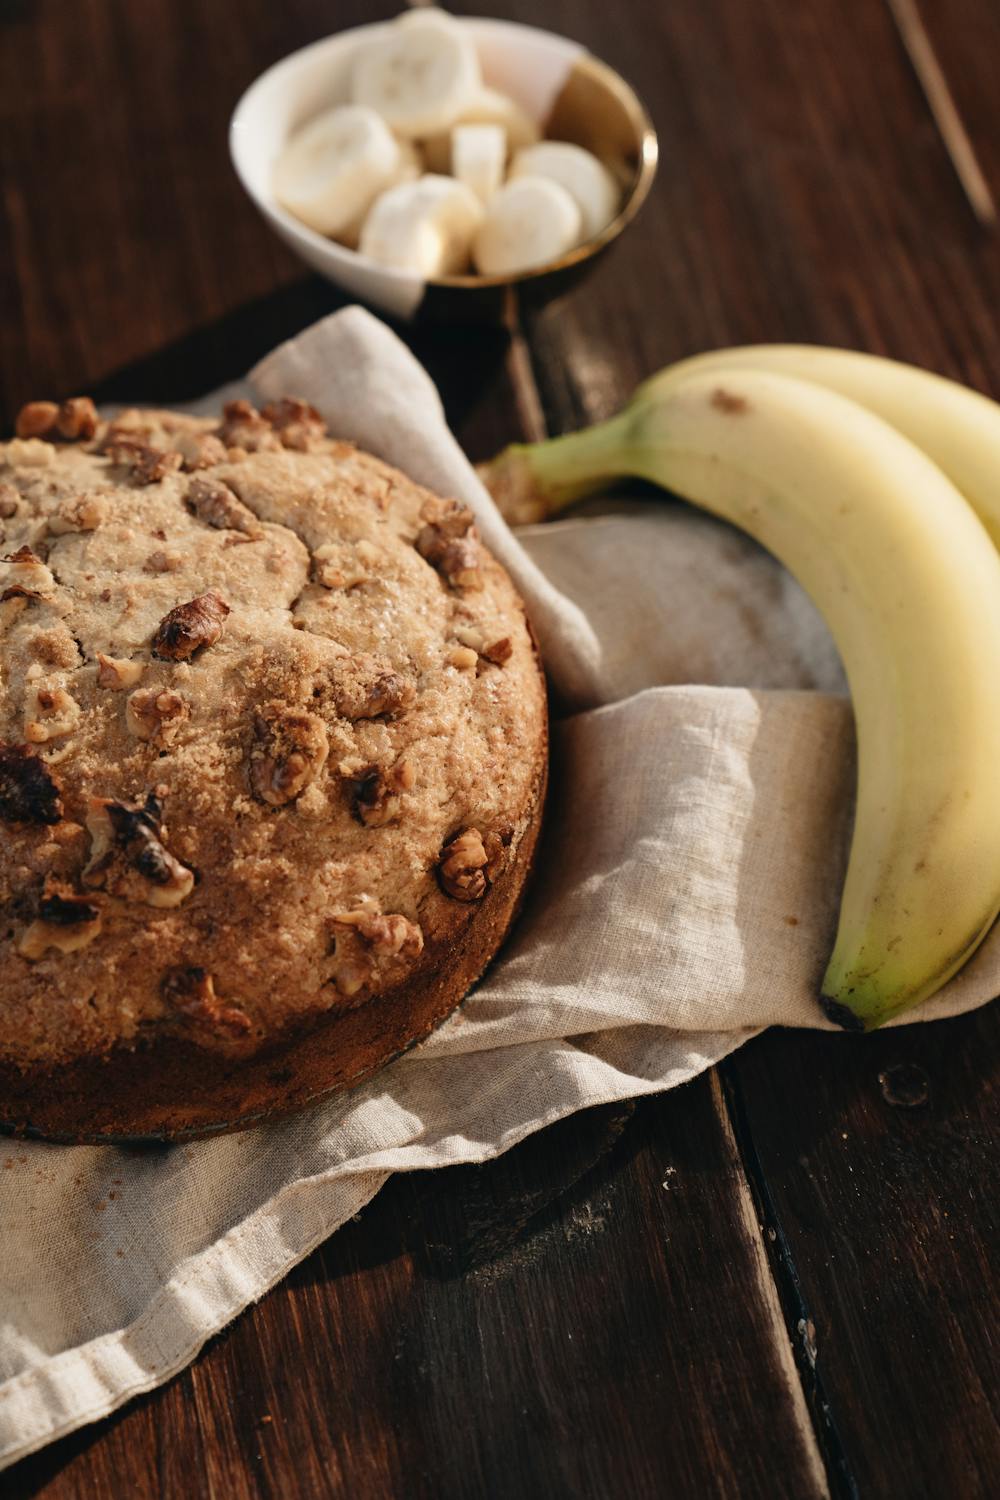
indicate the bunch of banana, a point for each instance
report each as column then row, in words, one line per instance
column 878, row 486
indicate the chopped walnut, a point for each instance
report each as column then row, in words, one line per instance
column 192, row 992
column 145, row 465
column 462, row 866
column 365, row 938
column 24, row 575
column 297, row 424
column 219, row 507
column 462, row 657
column 459, row 561
column 289, row 751
column 496, row 845
column 117, row 674
column 242, row 426
column 127, row 855
column 374, row 792
column 448, row 542
column 37, row 419
column 27, row 453
column 162, row 561
column 156, row 715
column 351, row 971
column 444, row 518
column 78, row 513
column 65, row 921
column 189, row 627
column 497, row 651
column 29, row 793
column 369, row 688
column 50, row 713
column 10, row 501
column 130, row 426
column 198, row 450
column 77, row 419
column 389, row 935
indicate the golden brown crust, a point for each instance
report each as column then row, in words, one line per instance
column 266, row 716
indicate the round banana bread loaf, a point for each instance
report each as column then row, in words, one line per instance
column 272, row 764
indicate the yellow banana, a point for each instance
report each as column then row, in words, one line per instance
column 956, row 427
column 909, row 584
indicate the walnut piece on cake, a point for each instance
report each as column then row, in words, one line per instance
column 156, row 715
column 127, row 857
column 75, row 420
column 190, row 627
column 289, row 751
column 462, row 866
column 190, row 990
column 215, row 503
column 66, row 922
column 449, row 543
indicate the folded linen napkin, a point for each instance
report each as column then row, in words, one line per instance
column 686, row 897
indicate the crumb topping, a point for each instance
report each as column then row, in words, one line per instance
column 252, row 681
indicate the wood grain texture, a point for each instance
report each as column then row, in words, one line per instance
column 122, row 224
column 877, row 1181
column 700, row 1299
column 621, row 1346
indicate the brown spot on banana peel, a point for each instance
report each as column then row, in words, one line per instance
column 729, row 402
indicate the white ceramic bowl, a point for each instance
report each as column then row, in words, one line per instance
column 559, row 83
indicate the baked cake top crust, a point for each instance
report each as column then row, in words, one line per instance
column 271, row 721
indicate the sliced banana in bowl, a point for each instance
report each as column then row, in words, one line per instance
column 334, row 169
column 420, row 75
column 479, row 158
column 529, row 222
column 387, row 157
column 488, row 107
column 425, row 226
column 593, row 189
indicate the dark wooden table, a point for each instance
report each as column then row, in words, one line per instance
column 775, row 1281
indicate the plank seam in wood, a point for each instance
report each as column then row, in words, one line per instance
column 784, row 1348
column 941, row 102
column 784, row 1278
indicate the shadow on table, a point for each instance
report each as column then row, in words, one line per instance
column 466, row 362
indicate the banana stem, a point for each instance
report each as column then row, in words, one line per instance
column 533, row 481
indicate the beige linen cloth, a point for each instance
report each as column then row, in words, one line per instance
column 686, row 897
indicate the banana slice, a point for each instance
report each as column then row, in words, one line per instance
column 528, row 223
column 335, row 166
column 489, row 107
column 420, row 75
column 409, row 169
column 425, row 226
column 584, row 177
column 478, row 157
